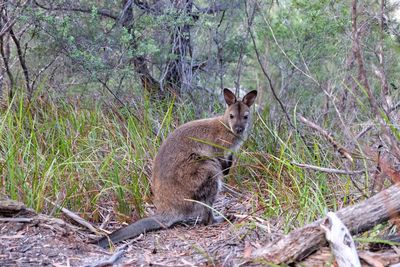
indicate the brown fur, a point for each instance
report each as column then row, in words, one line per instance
column 189, row 166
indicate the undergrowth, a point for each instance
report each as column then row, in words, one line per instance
column 91, row 158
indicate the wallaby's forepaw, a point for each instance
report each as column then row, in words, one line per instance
column 103, row 242
column 217, row 219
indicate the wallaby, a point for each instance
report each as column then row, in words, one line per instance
column 188, row 169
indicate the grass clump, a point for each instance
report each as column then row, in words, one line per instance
column 100, row 157
column 82, row 153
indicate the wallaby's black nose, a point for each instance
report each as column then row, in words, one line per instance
column 239, row 129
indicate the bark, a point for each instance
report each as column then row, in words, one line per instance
column 6, row 24
column 9, row 207
column 5, row 56
column 149, row 84
column 179, row 70
column 22, row 62
column 358, row 218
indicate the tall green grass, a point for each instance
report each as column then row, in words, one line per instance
column 99, row 157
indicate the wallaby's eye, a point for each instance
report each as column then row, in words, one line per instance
column 231, row 116
column 245, row 117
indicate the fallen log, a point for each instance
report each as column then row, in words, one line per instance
column 358, row 218
column 11, row 208
column 323, row 257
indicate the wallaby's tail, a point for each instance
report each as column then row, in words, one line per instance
column 139, row 227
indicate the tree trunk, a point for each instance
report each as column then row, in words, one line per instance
column 358, row 218
column 149, row 84
column 179, row 70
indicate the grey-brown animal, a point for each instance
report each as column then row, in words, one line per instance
column 189, row 166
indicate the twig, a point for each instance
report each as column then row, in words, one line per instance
column 9, row 22
column 22, row 220
column 110, row 261
column 41, row 71
column 116, row 255
column 335, row 171
column 60, row 197
column 74, row 217
column 102, row 12
column 106, row 221
column 231, row 191
column 364, row 131
column 328, row 136
column 328, row 170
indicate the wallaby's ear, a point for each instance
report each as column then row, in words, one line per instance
column 248, row 99
column 230, row 97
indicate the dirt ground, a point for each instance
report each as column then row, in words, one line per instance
column 47, row 241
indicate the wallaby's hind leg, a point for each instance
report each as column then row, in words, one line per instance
column 210, row 174
column 209, row 218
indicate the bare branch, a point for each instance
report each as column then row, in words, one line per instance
column 328, row 136
column 102, row 12
column 328, row 170
column 75, row 217
column 16, row 220
column 42, row 70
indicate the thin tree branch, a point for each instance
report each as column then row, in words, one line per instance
column 22, row 63
column 328, row 170
column 74, row 217
column 102, row 12
column 328, row 136
column 41, row 71
column 271, row 86
column 249, row 21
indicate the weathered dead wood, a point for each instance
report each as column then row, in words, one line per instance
column 16, row 220
column 340, row 241
column 12, row 208
column 8, row 206
column 358, row 218
column 110, row 261
column 75, row 217
column 380, row 258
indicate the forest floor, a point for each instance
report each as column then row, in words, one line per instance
column 47, row 241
